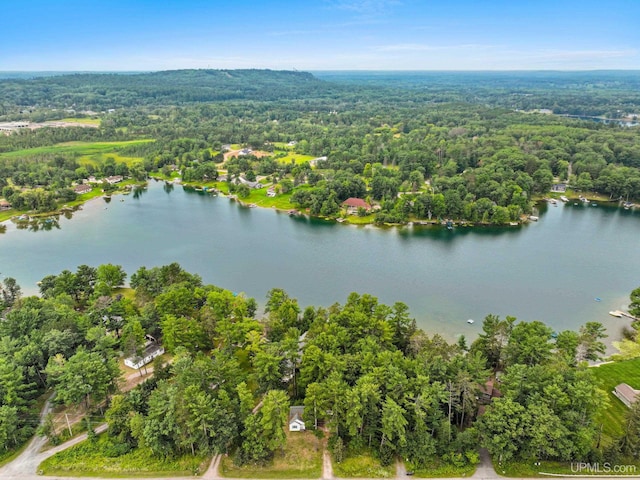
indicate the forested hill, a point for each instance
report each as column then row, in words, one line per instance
column 99, row 91
column 610, row 93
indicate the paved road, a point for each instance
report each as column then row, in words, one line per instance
column 485, row 468
column 24, row 467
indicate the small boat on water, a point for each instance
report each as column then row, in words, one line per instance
column 253, row 205
column 533, row 218
column 563, row 198
column 598, row 299
column 553, row 201
column 470, row 321
column 616, row 313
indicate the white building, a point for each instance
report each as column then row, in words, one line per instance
column 296, row 424
column 150, row 352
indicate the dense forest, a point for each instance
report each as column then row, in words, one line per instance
column 365, row 374
column 407, row 147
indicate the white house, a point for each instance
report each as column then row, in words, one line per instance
column 114, row 179
column 150, row 352
column 296, row 424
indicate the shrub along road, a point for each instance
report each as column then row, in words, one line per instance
column 25, row 466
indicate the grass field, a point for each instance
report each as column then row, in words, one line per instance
column 98, row 158
column 525, row 470
column 438, row 469
column 610, row 375
column 87, row 459
column 86, row 149
column 86, row 121
column 302, row 458
column 362, row 465
column 295, row 158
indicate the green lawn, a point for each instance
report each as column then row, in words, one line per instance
column 86, row 121
column 79, row 148
column 259, row 197
column 88, row 459
column 357, row 220
column 295, row 158
column 302, row 458
column 362, row 465
column 610, row 375
column 98, row 158
column 524, row 470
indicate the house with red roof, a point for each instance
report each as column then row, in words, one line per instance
column 353, row 204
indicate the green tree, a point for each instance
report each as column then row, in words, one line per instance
column 274, row 415
column 85, row 377
column 111, row 275
column 629, row 443
column 394, row 425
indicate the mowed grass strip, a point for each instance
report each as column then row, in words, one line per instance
column 609, row 375
column 302, row 458
column 92, row 459
column 80, row 148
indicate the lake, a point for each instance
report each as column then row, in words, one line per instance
column 551, row 270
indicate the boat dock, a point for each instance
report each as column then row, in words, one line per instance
column 620, row 314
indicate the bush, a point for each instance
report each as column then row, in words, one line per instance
column 114, row 450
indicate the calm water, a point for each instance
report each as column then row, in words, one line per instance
column 551, row 270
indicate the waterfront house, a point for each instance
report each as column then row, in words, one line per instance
column 81, row 189
column 248, row 183
column 114, row 179
column 4, row 205
column 559, row 187
column 353, row 204
column 626, row 393
column 296, row 424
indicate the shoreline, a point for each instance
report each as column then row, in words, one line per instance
column 449, row 224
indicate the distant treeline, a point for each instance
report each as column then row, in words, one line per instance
column 608, row 93
column 105, row 91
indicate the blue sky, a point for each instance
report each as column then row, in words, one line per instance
column 320, row 34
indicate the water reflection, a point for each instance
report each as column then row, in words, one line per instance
column 36, row 224
column 168, row 187
column 138, row 191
